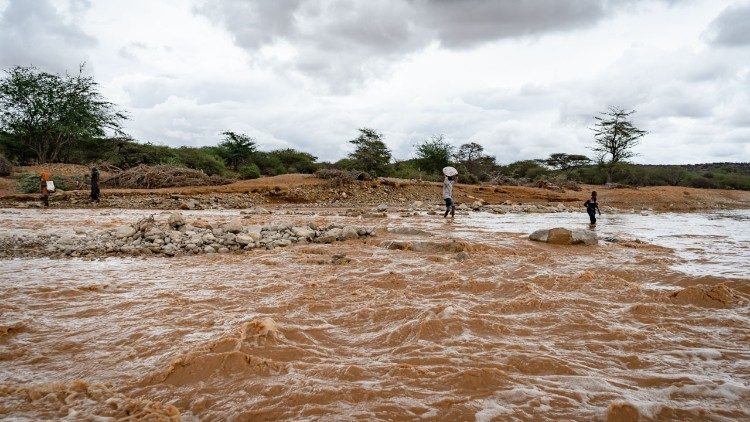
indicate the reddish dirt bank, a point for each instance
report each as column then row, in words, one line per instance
column 297, row 188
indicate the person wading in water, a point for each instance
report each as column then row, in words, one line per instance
column 44, row 178
column 592, row 206
column 94, row 184
column 448, row 183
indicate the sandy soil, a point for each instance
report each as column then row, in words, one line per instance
column 298, row 188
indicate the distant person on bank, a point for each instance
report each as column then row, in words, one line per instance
column 592, row 206
column 450, row 207
column 43, row 179
column 94, row 184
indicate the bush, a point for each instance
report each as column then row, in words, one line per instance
column 6, row 167
column 294, row 161
column 409, row 170
column 341, row 177
column 201, row 159
column 31, row 183
column 529, row 169
column 152, row 177
column 130, row 154
column 268, row 164
column 249, row 171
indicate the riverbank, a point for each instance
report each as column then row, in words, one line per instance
column 306, row 189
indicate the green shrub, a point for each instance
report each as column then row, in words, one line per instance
column 6, row 167
column 249, row 171
column 201, row 159
column 28, row 183
column 31, row 183
column 293, row 161
column 269, row 164
column 409, row 170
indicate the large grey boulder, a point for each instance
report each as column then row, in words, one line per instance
column 563, row 236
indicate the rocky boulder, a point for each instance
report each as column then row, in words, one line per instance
column 304, row 232
column 563, row 236
column 234, row 226
column 123, row 232
column 176, row 220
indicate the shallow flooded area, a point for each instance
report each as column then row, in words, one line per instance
column 653, row 323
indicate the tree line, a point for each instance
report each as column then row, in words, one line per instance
column 47, row 118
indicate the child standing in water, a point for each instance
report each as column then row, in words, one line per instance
column 448, row 195
column 43, row 179
column 592, row 206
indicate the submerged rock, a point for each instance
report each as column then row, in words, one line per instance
column 563, row 236
column 425, row 246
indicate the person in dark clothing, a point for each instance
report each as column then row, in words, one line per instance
column 592, row 206
column 94, row 184
column 448, row 195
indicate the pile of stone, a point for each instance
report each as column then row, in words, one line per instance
column 177, row 237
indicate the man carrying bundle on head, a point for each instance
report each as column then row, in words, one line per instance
column 450, row 179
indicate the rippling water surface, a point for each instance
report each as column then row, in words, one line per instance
column 510, row 330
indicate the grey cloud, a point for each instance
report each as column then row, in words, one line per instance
column 343, row 42
column 131, row 50
column 730, row 28
column 464, row 23
column 34, row 32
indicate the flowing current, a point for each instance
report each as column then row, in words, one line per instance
column 656, row 329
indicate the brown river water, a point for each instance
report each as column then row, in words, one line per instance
column 510, row 330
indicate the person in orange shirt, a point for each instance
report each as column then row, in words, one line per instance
column 43, row 186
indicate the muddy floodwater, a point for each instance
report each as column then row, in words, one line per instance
column 651, row 324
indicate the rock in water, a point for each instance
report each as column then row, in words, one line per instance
column 303, row 232
column 560, row 236
column 349, row 232
column 563, row 236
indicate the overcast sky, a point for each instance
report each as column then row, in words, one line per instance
column 521, row 77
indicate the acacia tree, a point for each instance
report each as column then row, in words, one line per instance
column 562, row 161
column 472, row 158
column 469, row 152
column 236, row 149
column 434, row 154
column 371, row 154
column 47, row 113
column 615, row 137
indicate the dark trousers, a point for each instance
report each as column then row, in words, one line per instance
column 449, row 207
column 592, row 216
column 95, row 193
